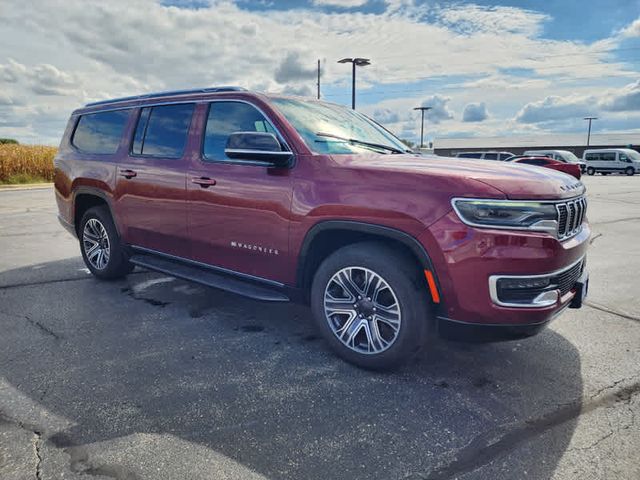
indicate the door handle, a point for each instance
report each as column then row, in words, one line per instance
column 204, row 182
column 128, row 173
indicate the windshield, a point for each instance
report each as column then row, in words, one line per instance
column 633, row 155
column 313, row 118
column 569, row 157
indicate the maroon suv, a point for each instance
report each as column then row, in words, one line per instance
column 279, row 198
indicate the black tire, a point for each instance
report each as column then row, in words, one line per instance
column 630, row 171
column 591, row 171
column 117, row 265
column 406, row 285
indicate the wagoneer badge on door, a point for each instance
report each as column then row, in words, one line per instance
column 256, row 248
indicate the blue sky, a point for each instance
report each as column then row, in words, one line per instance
column 488, row 68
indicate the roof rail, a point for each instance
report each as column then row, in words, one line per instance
column 170, row 93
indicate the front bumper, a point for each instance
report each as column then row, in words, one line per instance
column 466, row 258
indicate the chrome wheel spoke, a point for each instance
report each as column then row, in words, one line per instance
column 362, row 310
column 95, row 242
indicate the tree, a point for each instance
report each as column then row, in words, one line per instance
column 8, row 141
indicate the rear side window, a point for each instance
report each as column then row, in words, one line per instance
column 226, row 118
column 100, row 132
column 491, row 156
column 608, row 157
column 469, row 155
column 162, row 131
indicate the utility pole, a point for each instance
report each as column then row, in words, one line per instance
column 355, row 62
column 422, row 109
column 318, row 79
column 590, row 119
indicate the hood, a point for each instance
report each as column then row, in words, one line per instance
column 515, row 181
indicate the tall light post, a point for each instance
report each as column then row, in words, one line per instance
column 355, row 62
column 590, row 119
column 422, row 109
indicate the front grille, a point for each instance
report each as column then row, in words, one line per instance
column 570, row 217
column 566, row 280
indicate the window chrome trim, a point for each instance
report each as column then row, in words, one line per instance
column 493, row 287
column 209, row 161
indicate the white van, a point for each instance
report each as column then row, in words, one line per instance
column 561, row 155
column 606, row 161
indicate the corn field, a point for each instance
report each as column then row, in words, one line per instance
column 26, row 163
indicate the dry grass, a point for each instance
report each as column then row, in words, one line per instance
column 26, row 163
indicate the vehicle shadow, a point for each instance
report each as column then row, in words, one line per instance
column 254, row 382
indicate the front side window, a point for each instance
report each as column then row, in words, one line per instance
column 162, row 131
column 319, row 124
column 592, row 157
column 226, row 118
column 100, row 133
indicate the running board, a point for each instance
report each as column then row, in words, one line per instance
column 209, row 277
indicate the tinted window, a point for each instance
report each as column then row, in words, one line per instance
column 469, row 155
column 504, row 156
column 534, row 161
column 162, row 131
column 491, row 156
column 608, row 157
column 226, row 118
column 592, row 157
column 100, row 132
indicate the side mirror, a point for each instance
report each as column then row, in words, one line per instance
column 258, row 146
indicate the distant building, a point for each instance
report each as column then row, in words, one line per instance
column 518, row 144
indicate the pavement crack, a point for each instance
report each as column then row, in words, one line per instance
column 595, row 238
column 620, row 220
column 37, row 445
column 606, row 309
column 487, row 447
column 43, row 328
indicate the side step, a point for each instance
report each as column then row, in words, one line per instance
column 209, row 277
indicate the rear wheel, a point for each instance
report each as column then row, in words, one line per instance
column 630, row 171
column 100, row 244
column 591, row 171
column 371, row 306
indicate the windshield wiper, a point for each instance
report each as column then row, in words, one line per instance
column 362, row 142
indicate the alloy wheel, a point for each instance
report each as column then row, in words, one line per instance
column 362, row 310
column 95, row 242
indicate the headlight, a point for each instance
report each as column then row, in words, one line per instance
column 507, row 214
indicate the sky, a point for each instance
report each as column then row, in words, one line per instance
column 487, row 68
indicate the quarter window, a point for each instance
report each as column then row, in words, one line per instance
column 100, row 133
column 162, row 131
column 226, row 118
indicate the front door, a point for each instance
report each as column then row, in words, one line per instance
column 239, row 211
column 150, row 188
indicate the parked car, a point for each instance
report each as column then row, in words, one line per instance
column 492, row 155
column 564, row 156
column 610, row 160
column 278, row 198
column 539, row 161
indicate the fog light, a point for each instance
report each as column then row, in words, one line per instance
column 523, row 283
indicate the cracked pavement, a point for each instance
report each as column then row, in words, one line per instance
column 156, row 378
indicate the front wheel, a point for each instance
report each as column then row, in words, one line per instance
column 102, row 250
column 371, row 305
column 591, row 171
column 630, row 171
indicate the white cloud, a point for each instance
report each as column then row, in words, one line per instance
column 623, row 100
column 386, row 116
column 439, row 108
column 475, row 112
column 293, row 69
column 632, row 30
column 470, row 19
column 341, row 3
column 554, row 108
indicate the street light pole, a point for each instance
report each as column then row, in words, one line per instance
column 355, row 62
column 590, row 119
column 422, row 110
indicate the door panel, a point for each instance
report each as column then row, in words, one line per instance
column 150, row 188
column 239, row 212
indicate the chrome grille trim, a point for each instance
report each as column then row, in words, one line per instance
column 571, row 215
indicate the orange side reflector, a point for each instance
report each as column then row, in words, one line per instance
column 432, row 286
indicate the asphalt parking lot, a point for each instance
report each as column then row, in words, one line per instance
column 155, row 378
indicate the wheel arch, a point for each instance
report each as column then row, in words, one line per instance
column 326, row 237
column 85, row 198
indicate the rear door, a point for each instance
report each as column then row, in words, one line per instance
column 150, row 189
column 239, row 211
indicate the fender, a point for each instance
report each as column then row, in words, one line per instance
column 370, row 228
